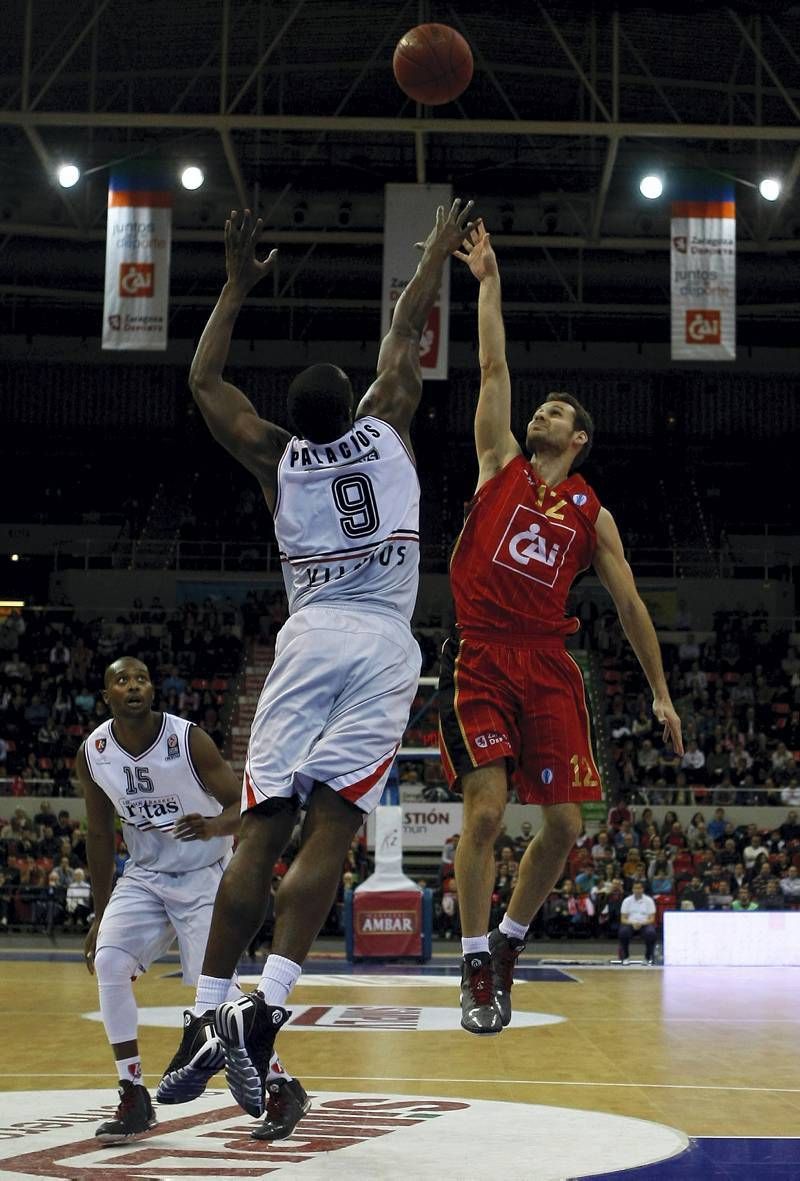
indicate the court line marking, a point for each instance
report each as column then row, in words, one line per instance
column 529, row 1082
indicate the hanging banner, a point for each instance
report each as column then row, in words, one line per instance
column 409, row 216
column 703, row 268
column 138, row 241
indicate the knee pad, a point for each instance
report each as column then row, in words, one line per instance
column 112, row 965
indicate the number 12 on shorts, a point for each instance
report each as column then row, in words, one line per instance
column 580, row 763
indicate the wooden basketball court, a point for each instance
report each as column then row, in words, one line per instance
column 705, row 1054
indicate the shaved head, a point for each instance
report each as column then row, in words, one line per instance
column 124, row 662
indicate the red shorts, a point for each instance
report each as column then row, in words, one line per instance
column 524, row 704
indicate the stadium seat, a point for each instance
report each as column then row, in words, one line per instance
column 664, row 902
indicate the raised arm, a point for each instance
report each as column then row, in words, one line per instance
column 229, row 414
column 397, row 389
column 494, row 442
column 612, row 569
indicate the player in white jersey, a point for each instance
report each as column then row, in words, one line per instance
column 178, row 801
column 344, row 495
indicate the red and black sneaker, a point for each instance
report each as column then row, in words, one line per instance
column 504, row 952
column 479, row 1012
column 287, row 1103
column 133, row 1118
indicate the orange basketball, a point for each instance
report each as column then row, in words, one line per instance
column 432, row 64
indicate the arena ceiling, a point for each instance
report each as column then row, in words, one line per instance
column 290, row 107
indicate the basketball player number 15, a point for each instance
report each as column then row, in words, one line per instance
column 354, row 498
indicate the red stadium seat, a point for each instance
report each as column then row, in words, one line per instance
column 664, row 902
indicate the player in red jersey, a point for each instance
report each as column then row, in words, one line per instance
column 511, row 698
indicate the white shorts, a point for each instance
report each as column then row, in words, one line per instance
column 334, row 706
column 148, row 909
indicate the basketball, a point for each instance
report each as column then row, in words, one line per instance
column 432, row 64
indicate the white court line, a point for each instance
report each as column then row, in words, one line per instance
column 492, row 1082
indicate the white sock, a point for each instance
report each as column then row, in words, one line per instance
column 130, row 1069
column 512, row 929
column 211, row 991
column 278, row 1070
column 234, row 991
column 278, row 979
column 476, row 943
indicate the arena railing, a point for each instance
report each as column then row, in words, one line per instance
column 756, row 561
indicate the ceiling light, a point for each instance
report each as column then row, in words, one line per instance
column 68, row 175
column 651, row 187
column 770, row 188
column 192, row 177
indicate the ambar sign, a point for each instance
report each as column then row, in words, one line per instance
column 387, row 922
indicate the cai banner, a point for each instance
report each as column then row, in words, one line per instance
column 410, row 214
column 138, row 240
column 703, row 268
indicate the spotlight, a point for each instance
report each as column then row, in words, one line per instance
column 770, row 188
column 507, row 218
column 651, row 187
column 299, row 213
column 68, row 175
column 14, row 557
column 192, row 177
column 345, row 210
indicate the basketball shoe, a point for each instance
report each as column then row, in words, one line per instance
column 247, row 1028
column 504, row 952
column 479, row 1012
column 198, row 1058
column 287, row 1103
column 133, row 1118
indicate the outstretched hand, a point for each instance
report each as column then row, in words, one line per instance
column 450, row 229
column 665, row 712
column 244, row 269
column 477, row 252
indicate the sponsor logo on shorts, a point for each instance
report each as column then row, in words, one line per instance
column 100, row 745
column 490, row 738
column 173, row 749
column 534, row 545
column 547, row 775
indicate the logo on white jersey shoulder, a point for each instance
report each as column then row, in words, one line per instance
column 100, row 745
column 534, row 545
column 173, row 748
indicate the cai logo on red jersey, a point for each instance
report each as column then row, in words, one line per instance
column 534, row 546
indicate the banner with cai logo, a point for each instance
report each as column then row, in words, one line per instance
column 703, row 268
column 138, row 240
column 409, row 216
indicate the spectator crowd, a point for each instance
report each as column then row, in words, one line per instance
column 714, row 862
column 737, row 692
